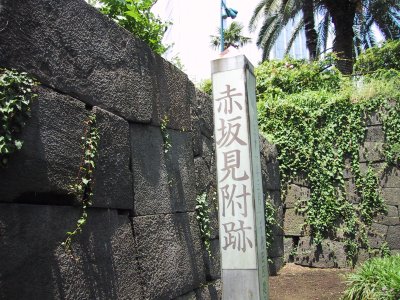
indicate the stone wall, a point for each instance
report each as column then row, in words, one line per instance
column 298, row 245
column 142, row 239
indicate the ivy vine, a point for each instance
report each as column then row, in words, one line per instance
column 16, row 96
column 270, row 222
column 319, row 131
column 83, row 186
column 165, row 135
column 203, row 218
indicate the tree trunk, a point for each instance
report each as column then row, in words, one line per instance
column 309, row 24
column 343, row 13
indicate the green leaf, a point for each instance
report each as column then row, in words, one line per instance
column 18, row 144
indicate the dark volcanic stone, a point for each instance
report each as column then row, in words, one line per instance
column 330, row 254
column 163, row 181
column 391, row 178
column 293, row 222
column 51, row 155
column 213, row 262
column 371, row 152
column 295, row 194
column 170, row 254
column 374, row 134
column 113, row 179
column 270, row 175
column 175, row 93
column 391, row 196
column 73, row 48
column 377, row 235
column 203, row 175
column 392, row 238
column 205, row 113
column 34, row 265
column 267, row 150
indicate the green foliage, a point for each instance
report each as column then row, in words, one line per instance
column 206, row 86
column 177, row 62
column 278, row 78
column 83, row 187
column 270, row 222
column 317, row 120
column 379, row 58
column 136, row 17
column 376, row 279
column 15, row 98
column 203, row 217
column 165, row 135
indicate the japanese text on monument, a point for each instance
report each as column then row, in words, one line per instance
column 233, row 170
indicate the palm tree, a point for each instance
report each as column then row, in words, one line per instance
column 277, row 14
column 232, row 37
column 342, row 14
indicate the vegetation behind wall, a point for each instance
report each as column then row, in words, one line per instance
column 318, row 120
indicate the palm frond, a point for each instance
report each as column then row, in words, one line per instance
column 295, row 34
column 262, row 9
column 323, row 34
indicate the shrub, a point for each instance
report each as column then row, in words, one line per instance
column 385, row 58
column 136, row 16
column 205, row 86
column 376, row 279
column 15, row 98
column 290, row 76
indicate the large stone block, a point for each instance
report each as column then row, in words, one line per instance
column 373, row 118
column 205, row 115
column 163, row 181
column 293, row 223
column 391, row 196
column 202, row 175
column 277, row 248
column 330, row 254
column 301, row 179
column 374, row 134
column 197, row 138
column 290, row 248
column 390, row 218
column 268, row 150
column 113, row 179
column 175, row 93
column 377, row 235
column 34, row 265
column 274, row 265
column 350, row 190
column 371, row 152
column 170, row 254
column 73, row 48
column 208, row 154
column 296, row 194
column 210, row 291
column 270, row 175
column 275, row 199
column 391, row 178
column 212, row 200
column 393, row 237
column 213, row 262
column 49, row 160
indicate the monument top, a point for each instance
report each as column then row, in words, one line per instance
column 230, row 59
